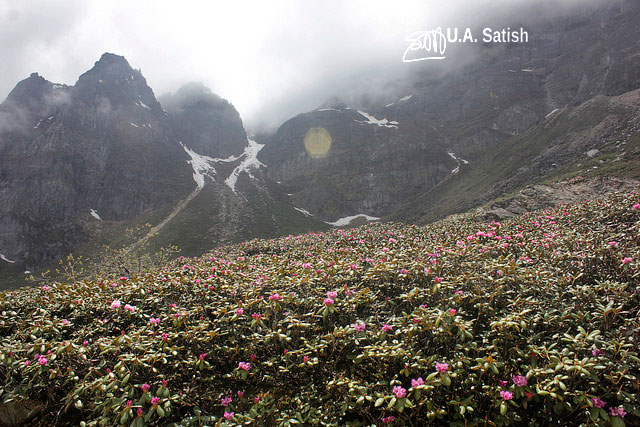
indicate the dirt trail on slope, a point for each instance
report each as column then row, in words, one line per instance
column 164, row 222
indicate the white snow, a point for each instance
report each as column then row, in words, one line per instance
column 527, row 70
column 94, row 214
column 551, row 113
column 100, row 81
column 304, row 211
column 57, row 86
column 406, row 98
column 142, row 104
column 456, row 158
column 249, row 162
column 201, row 165
column 49, row 118
column 4, row 258
column 373, row 121
column 133, row 124
column 389, row 105
column 328, row 109
column 27, row 272
column 347, row 220
column 456, row 170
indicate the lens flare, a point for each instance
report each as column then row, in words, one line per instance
column 317, row 142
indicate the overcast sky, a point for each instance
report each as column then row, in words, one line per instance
column 270, row 58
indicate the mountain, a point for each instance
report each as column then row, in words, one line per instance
column 83, row 165
column 514, row 115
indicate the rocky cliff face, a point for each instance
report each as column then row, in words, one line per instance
column 445, row 124
column 205, row 122
column 104, row 145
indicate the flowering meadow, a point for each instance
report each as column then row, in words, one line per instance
column 532, row 321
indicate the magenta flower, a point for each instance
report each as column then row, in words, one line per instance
column 596, row 352
column 202, row 356
column 627, row 260
column 240, row 394
column 155, row 401
column 245, row 366
column 387, row 328
column 45, row 288
column 164, row 336
column 399, row 391
column 417, row 382
column 239, row 311
column 256, row 316
column 502, row 383
column 506, row 395
column 27, row 362
column 154, row 321
column 305, row 359
column 275, row 297
column 388, row 419
column 140, row 412
column 453, row 311
column 636, row 206
column 229, row 415
column 519, row 380
column 597, row 402
column 438, row 279
column 129, row 403
column 145, row 387
column 42, row 360
column 442, row 367
column 226, row 401
column 360, row 327
column 458, row 292
column 115, row 304
column 617, row 412
column 164, row 383
column 332, row 294
column 85, row 343
column 253, row 357
column 328, row 301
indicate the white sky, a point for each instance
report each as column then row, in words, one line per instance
column 260, row 55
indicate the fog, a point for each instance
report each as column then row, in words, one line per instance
column 271, row 60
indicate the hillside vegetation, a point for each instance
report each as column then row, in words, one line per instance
column 529, row 321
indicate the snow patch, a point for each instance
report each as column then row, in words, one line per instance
column 142, row 104
column 527, row 70
column 133, row 124
column 347, row 220
column 456, row 170
column 249, row 162
column 389, row 105
column 95, row 214
column 552, row 113
column 406, row 98
column 373, row 121
column 4, row 258
column 304, row 211
column 327, row 109
column 201, row 165
column 456, row 158
column 27, row 272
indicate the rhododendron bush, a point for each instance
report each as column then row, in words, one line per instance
column 532, row 320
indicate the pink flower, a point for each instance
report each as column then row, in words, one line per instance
column 519, row 380
column 442, row 367
column 627, row 260
column 154, row 321
column 332, row 294
column 164, row 383
column 253, row 357
column 275, row 297
column 140, row 412
column 636, row 206
column 256, row 399
column 328, row 301
column 85, row 343
column 305, row 359
column 245, row 366
column 388, row 419
column 256, row 316
column 617, row 412
column 226, row 401
column 115, row 304
column 129, row 403
column 596, row 352
column 145, row 387
column 42, row 360
column 597, row 402
column 155, row 401
column 506, row 395
column 27, row 362
column 459, row 292
column 437, row 279
column 124, row 279
column 399, row 391
column 404, row 271
column 45, row 288
column 202, row 356
column 453, row 311
column 239, row 311
column 229, row 415
column 417, row 382
column 386, row 328
column 240, row 394
column 502, row 383
column 164, row 336
column 353, row 267
column 360, row 327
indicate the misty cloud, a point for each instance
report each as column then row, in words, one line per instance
column 271, row 60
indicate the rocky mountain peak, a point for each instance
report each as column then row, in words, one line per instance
column 112, row 78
